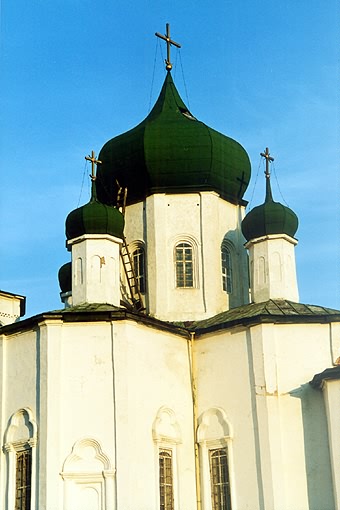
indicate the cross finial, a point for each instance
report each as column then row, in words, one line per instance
column 269, row 159
column 94, row 162
column 169, row 42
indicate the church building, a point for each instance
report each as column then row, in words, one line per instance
column 181, row 372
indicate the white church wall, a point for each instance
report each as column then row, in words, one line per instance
column 105, row 386
column 152, row 382
column 18, row 407
column 331, row 394
column 261, row 381
column 301, row 350
column 19, row 374
column 203, row 220
column 224, row 382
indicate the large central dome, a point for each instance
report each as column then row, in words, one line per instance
column 172, row 152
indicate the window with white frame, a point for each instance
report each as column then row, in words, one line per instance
column 138, row 257
column 184, row 265
column 219, row 478
column 166, row 491
column 227, row 271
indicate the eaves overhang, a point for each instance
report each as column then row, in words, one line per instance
column 93, row 313
column 279, row 311
column 327, row 375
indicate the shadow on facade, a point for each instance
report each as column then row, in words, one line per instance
column 316, row 445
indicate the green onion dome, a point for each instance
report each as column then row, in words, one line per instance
column 94, row 218
column 172, row 152
column 65, row 277
column 269, row 218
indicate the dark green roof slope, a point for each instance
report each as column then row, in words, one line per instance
column 172, row 152
column 278, row 310
column 272, row 311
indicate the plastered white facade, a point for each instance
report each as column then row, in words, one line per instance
column 205, row 221
column 10, row 308
column 95, row 269
column 104, row 397
column 272, row 268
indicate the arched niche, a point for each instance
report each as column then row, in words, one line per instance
column 88, row 476
column 165, row 427
column 213, row 425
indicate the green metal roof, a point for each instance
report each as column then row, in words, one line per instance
column 172, row 152
column 269, row 218
column 274, row 310
column 94, row 218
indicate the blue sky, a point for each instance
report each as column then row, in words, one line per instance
column 75, row 73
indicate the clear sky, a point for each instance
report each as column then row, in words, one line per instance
column 75, row 73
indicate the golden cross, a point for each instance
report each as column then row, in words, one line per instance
column 269, row 159
column 94, row 161
column 169, row 42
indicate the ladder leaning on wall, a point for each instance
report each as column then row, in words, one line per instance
column 134, row 296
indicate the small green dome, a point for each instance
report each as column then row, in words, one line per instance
column 65, row 277
column 269, row 218
column 94, row 218
column 172, row 152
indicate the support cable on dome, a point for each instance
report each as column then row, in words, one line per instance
column 82, row 184
column 278, row 186
column 185, row 85
column 153, row 74
column 256, row 177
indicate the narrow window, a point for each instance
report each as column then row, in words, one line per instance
column 227, row 274
column 166, row 480
column 220, row 485
column 138, row 257
column 184, row 265
column 23, row 480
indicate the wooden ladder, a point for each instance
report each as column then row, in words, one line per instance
column 135, row 298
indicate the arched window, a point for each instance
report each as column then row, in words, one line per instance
column 214, row 435
column 166, row 492
column 220, row 484
column 184, row 265
column 20, row 446
column 227, row 272
column 138, row 257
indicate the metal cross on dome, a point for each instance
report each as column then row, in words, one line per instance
column 169, row 42
column 94, row 161
column 269, row 159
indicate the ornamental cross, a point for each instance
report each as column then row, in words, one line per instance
column 169, row 42
column 269, row 159
column 94, row 161
column 242, row 183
